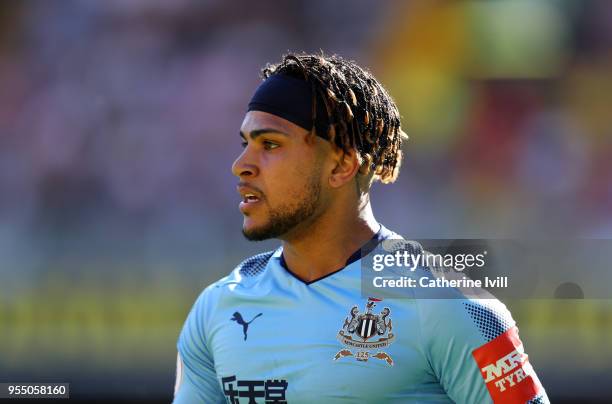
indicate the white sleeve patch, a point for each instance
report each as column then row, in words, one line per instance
column 179, row 373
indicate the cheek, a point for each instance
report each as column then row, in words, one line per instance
column 282, row 186
column 288, row 174
column 290, row 183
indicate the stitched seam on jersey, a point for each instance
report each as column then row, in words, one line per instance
column 419, row 331
column 421, row 328
column 187, row 376
column 201, row 328
column 205, row 326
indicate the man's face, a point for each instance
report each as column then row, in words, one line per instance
column 280, row 172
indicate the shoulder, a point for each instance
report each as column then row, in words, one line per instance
column 253, row 266
column 244, row 276
column 246, row 272
column 239, row 283
column 480, row 320
column 490, row 316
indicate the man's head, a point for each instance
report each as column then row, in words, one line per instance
column 318, row 132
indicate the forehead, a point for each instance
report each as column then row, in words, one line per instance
column 256, row 120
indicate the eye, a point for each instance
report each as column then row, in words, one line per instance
column 268, row 145
column 244, row 144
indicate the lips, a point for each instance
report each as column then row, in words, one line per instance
column 250, row 197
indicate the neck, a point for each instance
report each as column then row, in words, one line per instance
column 325, row 245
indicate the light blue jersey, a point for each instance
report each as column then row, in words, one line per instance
column 261, row 335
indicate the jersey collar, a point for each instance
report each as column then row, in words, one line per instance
column 382, row 234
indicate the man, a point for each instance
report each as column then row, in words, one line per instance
column 291, row 325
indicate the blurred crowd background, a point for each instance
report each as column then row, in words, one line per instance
column 119, row 122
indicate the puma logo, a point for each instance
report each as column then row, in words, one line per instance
column 245, row 325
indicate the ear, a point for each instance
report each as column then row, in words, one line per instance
column 345, row 169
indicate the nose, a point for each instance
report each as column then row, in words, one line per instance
column 244, row 166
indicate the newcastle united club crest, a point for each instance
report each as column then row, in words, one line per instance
column 366, row 334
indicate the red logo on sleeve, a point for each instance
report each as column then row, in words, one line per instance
column 506, row 369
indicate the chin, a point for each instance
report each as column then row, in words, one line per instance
column 254, row 231
column 255, row 235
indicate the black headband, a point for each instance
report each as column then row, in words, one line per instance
column 289, row 98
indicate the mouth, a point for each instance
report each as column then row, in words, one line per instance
column 249, row 201
column 250, row 198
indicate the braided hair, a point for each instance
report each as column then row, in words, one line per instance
column 360, row 112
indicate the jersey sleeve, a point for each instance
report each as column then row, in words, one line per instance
column 475, row 351
column 197, row 380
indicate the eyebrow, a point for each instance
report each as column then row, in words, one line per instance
column 258, row 132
